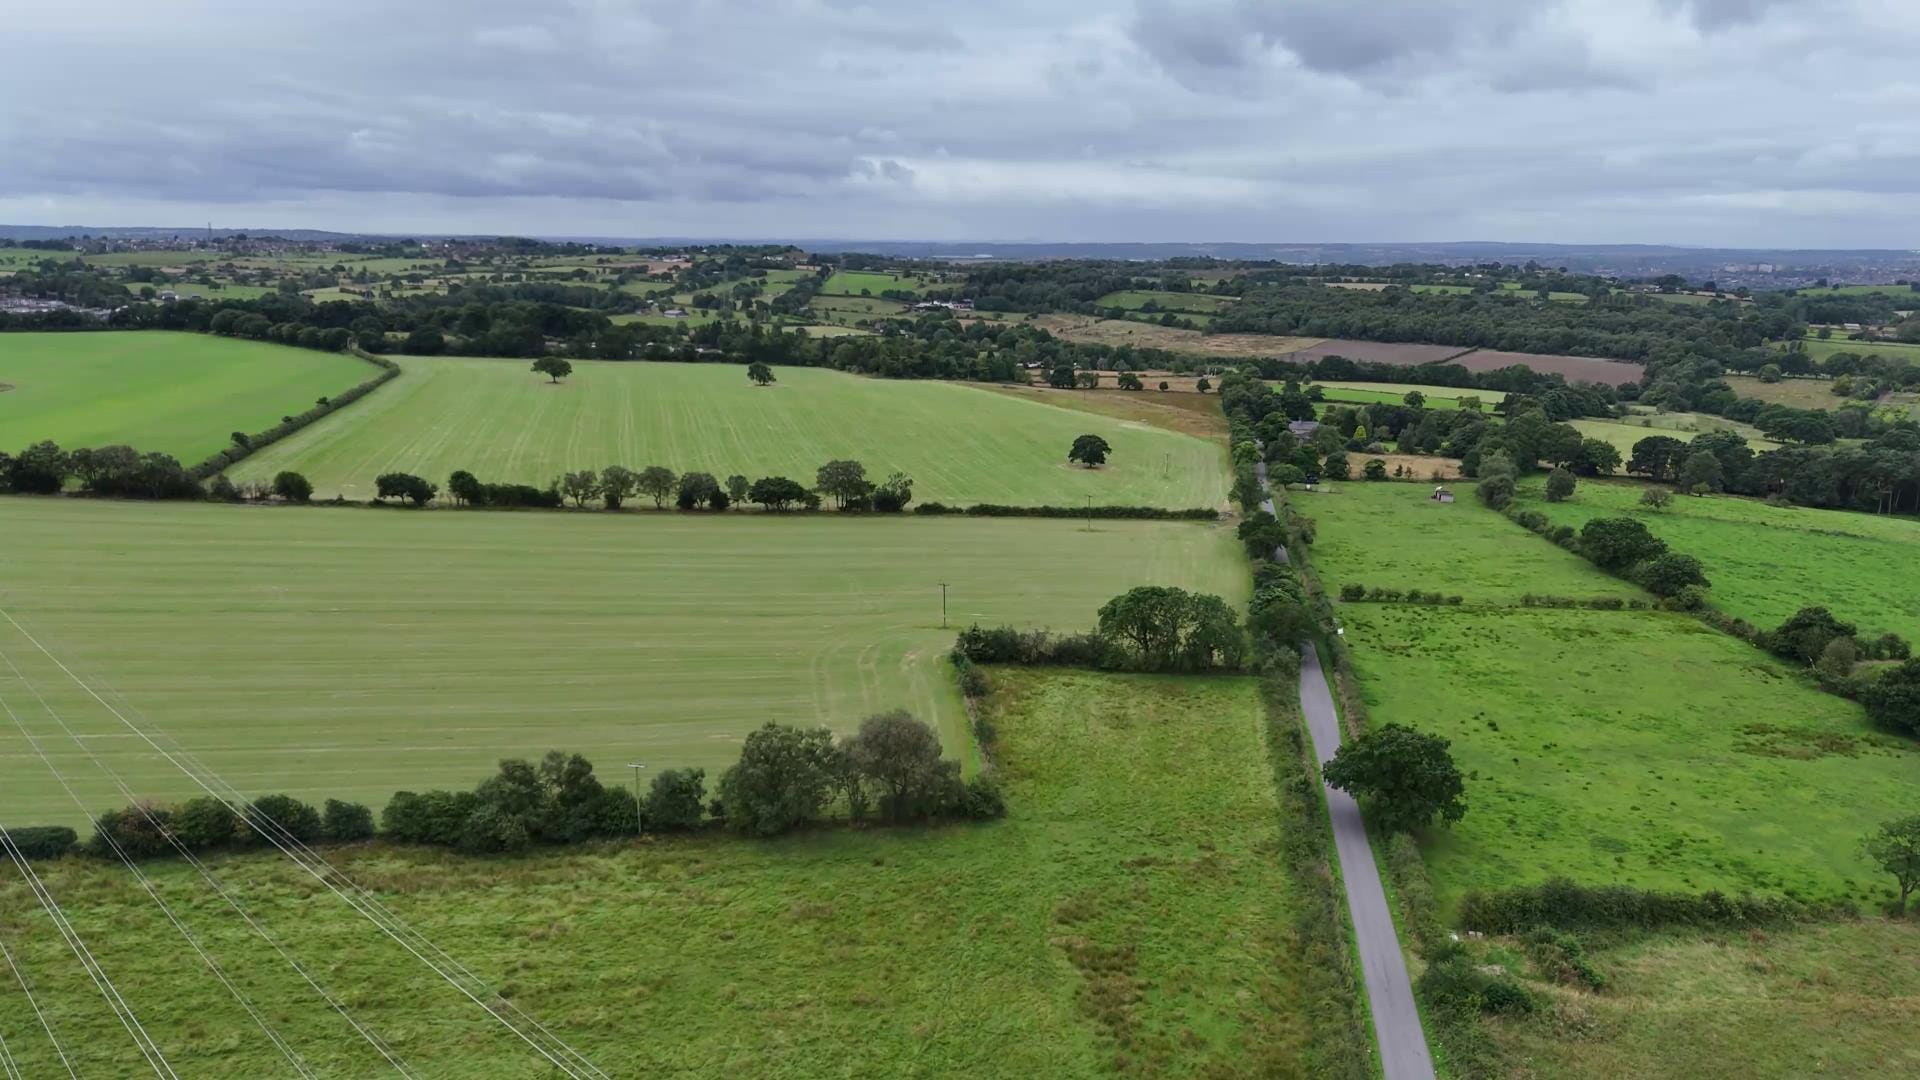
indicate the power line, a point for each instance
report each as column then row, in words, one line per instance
column 124, row 1012
column 146, row 884
column 207, row 875
column 557, row 1051
column 26, row 987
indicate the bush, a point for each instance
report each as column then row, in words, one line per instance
column 292, row 487
column 1034, row 648
column 1669, row 574
column 1353, row 591
column 292, row 817
column 346, row 821
column 1562, row 904
column 137, row 831
column 980, row 799
column 1562, row 957
column 677, row 799
column 1453, row 981
column 206, row 823
column 42, row 841
column 399, row 485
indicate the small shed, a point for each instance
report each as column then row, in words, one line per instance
column 1442, row 495
column 1303, row 429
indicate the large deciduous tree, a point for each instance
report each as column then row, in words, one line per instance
column 553, row 367
column 1089, row 450
column 760, row 373
column 1406, row 778
column 1895, row 848
column 902, row 756
column 659, row 482
column 845, row 482
column 781, row 781
column 1618, row 542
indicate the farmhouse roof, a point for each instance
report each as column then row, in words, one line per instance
column 1303, row 428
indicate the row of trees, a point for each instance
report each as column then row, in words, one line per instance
column 1881, row 475
column 118, row 471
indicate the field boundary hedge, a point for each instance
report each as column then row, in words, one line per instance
column 218, row 462
column 1564, row 905
column 1144, row 513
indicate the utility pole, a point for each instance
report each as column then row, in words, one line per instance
column 636, row 766
column 1089, row 527
column 943, row 605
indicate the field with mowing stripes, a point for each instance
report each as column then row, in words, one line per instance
column 180, row 394
column 1130, row 915
column 351, row 652
column 959, row 443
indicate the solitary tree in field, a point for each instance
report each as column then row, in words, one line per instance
column 1201, row 384
column 1656, row 498
column 1163, row 385
column 1895, row 846
column 1406, row 778
column 1415, row 399
column 1089, row 450
column 1127, row 380
column 659, row 482
column 760, row 373
column 1061, row 377
column 902, row 755
column 553, row 367
column 777, row 493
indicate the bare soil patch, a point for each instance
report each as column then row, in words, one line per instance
column 1409, row 354
column 1575, row 368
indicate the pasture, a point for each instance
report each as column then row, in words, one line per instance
column 1887, row 350
column 874, row 283
column 1797, row 393
column 1186, row 303
column 1835, row 1000
column 1392, row 535
column 352, row 652
column 1128, row 916
column 177, row 393
column 1766, row 562
column 1438, row 397
column 1623, row 433
column 959, row 443
column 1632, row 747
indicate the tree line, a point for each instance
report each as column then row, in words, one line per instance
column 891, row 771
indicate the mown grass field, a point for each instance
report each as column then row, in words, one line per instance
column 1632, row 747
column 1625, row 432
column 1799, row 393
column 1195, row 303
column 352, row 652
column 1129, row 917
column 859, row 282
column 1392, row 535
column 501, row 421
column 1819, row 350
column 1766, row 562
column 1438, row 397
column 181, row 394
column 1835, row 1000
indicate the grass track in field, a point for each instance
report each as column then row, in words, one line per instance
column 1632, row 747
column 181, row 394
column 959, row 443
column 353, row 652
column 1139, row 862
column 1766, row 562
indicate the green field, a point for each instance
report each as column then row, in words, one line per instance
column 1798, row 393
column 181, row 394
column 152, row 258
column 857, row 282
column 1766, row 562
column 1836, row 1000
column 1392, row 535
column 1899, row 292
column 1438, row 397
column 1129, row 916
column 1623, row 433
column 852, row 309
column 959, row 443
column 1185, row 303
column 356, row 651
column 1632, row 747
column 1820, row 350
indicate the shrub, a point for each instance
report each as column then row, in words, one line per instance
column 1562, row 958
column 205, row 823
column 1560, row 484
column 1452, row 981
column 981, row 800
column 137, row 831
column 399, row 485
column 292, row 487
column 1562, row 904
column 42, row 841
column 677, row 799
column 223, row 490
column 292, row 817
column 1353, row 591
column 346, row 821
column 1668, row 574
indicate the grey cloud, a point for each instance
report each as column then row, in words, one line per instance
column 1008, row 119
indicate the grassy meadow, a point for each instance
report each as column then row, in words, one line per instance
column 1819, row 350
column 1193, row 303
column 1766, row 562
column 959, row 443
column 1798, row 393
column 1394, row 536
column 858, row 282
column 1632, row 747
column 352, row 652
column 1438, row 397
column 1834, row 1000
column 1623, row 433
column 1128, row 917
column 178, row 393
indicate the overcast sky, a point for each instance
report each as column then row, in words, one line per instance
column 1721, row 122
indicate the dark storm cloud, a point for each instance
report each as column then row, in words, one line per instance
column 1729, row 121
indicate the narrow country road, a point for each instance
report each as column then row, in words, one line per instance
column 1396, row 1021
